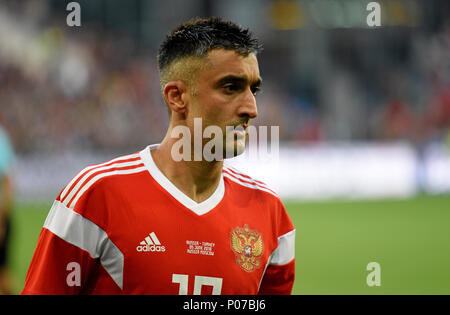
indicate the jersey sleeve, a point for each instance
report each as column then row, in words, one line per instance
column 279, row 276
column 74, row 256
column 57, row 267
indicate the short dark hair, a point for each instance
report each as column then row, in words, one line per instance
column 198, row 36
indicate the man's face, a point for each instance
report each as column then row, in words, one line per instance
column 225, row 95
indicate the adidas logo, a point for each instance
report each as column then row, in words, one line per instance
column 150, row 244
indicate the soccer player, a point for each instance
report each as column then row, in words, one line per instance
column 148, row 223
column 6, row 201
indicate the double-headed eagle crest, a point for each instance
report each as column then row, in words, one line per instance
column 247, row 245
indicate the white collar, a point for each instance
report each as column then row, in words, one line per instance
column 198, row 208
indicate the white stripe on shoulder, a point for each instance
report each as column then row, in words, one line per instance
column 75, row 229
column 121, row 158
column 236, row 171
column 254, row 186
column 285, row 251
column 99, row 176
column 80, row 183
column 247, row 178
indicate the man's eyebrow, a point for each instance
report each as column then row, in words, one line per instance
column 238, row 79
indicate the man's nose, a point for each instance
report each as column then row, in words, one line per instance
column 248, row 106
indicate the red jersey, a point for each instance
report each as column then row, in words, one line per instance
column 121, row 227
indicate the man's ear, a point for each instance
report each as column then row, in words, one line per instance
column 175, row 93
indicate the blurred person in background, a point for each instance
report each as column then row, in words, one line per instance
column 6, row 201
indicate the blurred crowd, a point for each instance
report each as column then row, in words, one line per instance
column 84, row 101
column 75, row 89
column 84, row 92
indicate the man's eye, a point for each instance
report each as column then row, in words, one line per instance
column 256, row 90
column 230, row 88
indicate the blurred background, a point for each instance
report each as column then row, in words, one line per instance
column 364, row 116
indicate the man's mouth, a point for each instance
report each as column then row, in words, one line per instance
column 240, row 131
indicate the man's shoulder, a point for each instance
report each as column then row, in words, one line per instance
column 237, row 177
column 95, row 175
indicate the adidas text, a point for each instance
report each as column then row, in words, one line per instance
column 150, row 248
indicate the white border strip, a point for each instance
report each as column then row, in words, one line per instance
column 254, row 186
column 234, row 171
column 99, row 176
column 73, row 228
column 126, row 157
column 285, row 251
column 242, row 177
column 77, row 187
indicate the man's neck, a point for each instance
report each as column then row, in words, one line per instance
column 196, row 179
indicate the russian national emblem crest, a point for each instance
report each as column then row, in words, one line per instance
column 247, row 246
